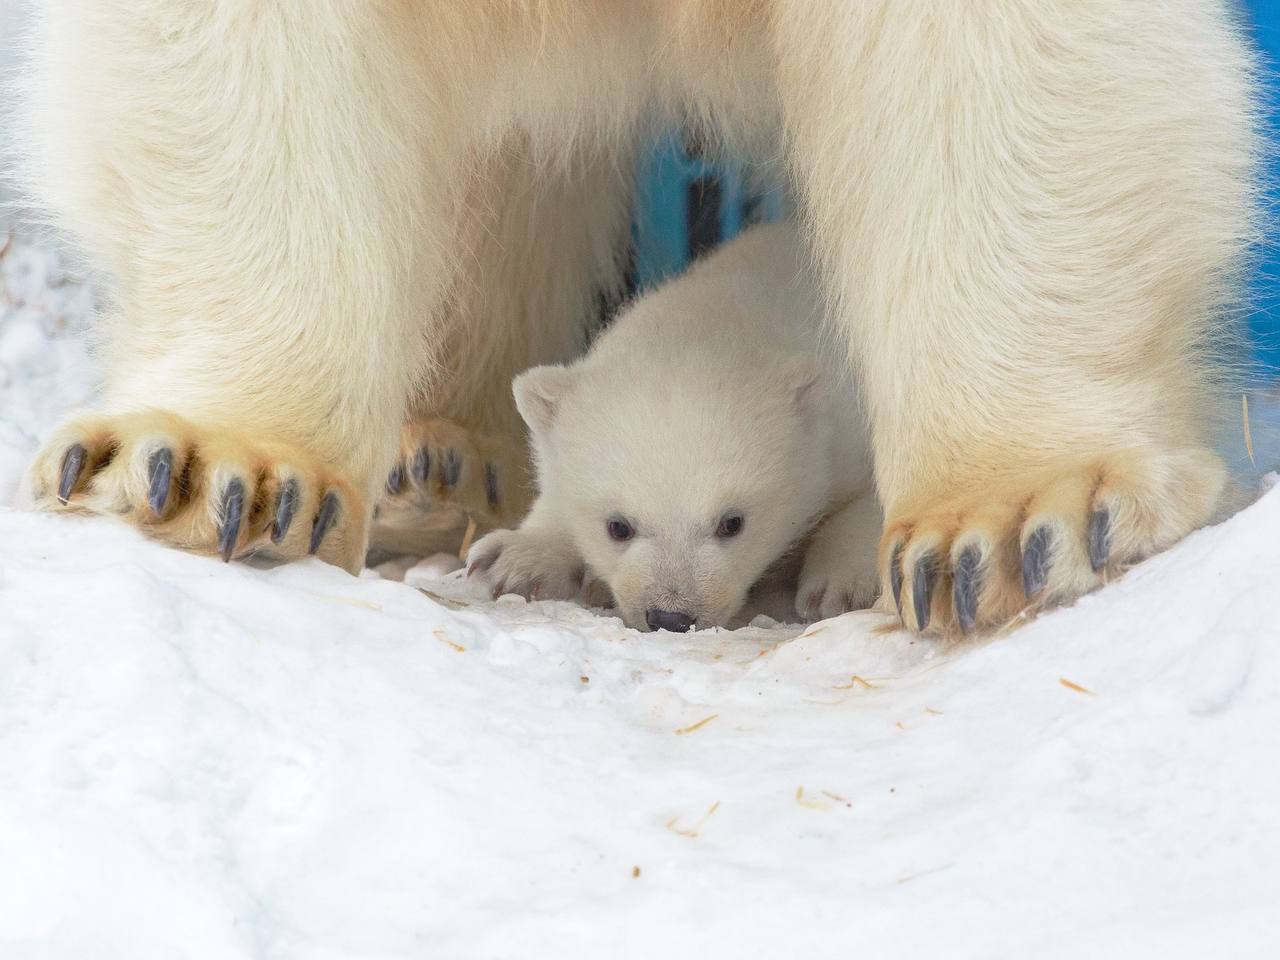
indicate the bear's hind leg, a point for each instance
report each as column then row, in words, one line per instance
column 543, row 247
column 447, row 486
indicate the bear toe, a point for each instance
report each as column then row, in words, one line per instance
column 204, row 490
column 960, row 564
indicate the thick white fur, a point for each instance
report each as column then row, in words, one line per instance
column 1029, row 214
column 713, row 395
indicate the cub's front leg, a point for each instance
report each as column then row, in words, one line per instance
column 839, row 572
column 537, row 561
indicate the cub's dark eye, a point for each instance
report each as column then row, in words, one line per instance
column 619, row 529
column 730, row 525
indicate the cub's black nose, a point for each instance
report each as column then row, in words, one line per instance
column 668, row 620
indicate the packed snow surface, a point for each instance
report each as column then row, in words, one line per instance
column 208, row 760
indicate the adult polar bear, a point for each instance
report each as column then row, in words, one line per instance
column 323, row 216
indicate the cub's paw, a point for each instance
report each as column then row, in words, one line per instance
column 202, row 489
column 979, row 560
column 840, row 572
column 535, row 565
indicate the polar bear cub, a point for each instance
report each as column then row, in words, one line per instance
column 709, row 433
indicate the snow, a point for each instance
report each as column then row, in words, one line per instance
column 199, row 760
column 208, row 760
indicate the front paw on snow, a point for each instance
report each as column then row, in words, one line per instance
column 830, row 586
column 533, row 567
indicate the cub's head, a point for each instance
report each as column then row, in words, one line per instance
column 679, row 491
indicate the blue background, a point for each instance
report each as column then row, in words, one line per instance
column 662, row 235
column 1264, row 321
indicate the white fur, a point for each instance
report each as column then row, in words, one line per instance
column 712, row 395
column 1030, row 215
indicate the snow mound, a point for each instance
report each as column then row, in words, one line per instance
column 211, row 760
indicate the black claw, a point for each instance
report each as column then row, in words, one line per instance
column 232, row 514
column 1099, row 538
column 491, row 484
column 451, row 469
column 965, row 585
column 72, row 464
column 481, row 564
column 395, row 479
column 286, row 501
column 895, row 576
column 159, row 472
column 1035, row 561
column 329, row 508
column 421, row 465
column 922, row 583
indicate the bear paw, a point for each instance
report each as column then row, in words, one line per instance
column 840, row 572
column 203, row 489
column 447, row 484
column 534, row 564
column 441, row 465
column 1036, row 541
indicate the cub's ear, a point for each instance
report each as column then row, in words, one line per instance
column 798, row 380
column 538, row 393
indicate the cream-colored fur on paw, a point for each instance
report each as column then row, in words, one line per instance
column 840, row 572
column 536, row 562
column 282, row 488
column 1032, row 541
column 445, row 481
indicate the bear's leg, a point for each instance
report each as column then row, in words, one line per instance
column 544, row 251
column 271, row 201
column 1031, row 220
